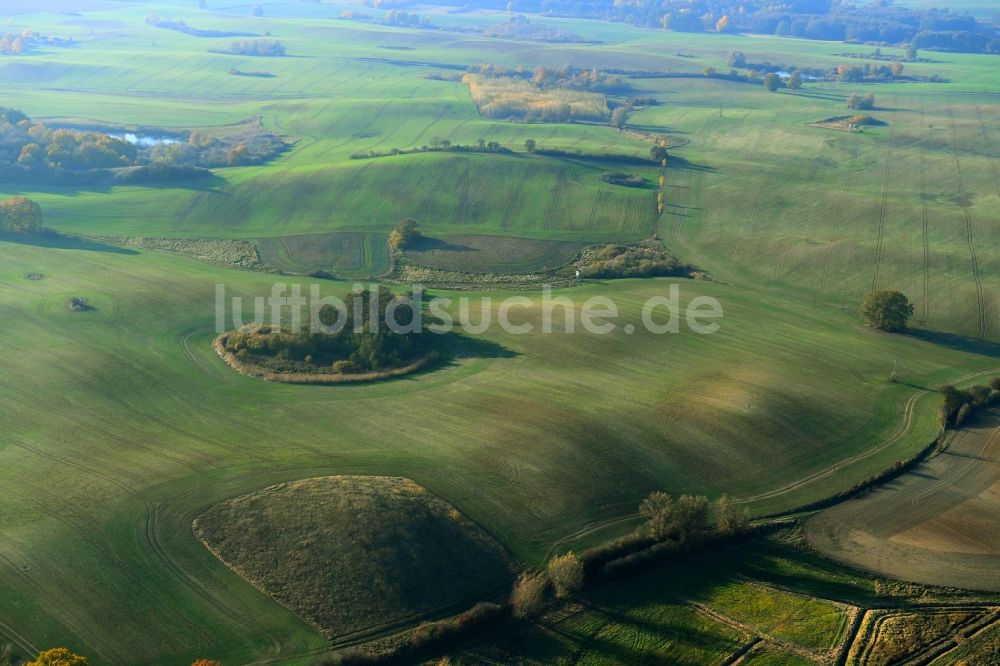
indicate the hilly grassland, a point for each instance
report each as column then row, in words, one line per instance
column 535, row 437
column 121, row 425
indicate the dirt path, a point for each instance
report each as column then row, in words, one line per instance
column 939, row 524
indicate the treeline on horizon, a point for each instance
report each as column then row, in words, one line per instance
column 934, row 28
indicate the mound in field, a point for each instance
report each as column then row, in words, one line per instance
column 355, row 554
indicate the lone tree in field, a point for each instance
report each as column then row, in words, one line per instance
column 405, row 234
column 20, row 215
column 566, row 575
column 795, row 81
column 709, row 72
column 771, row 82
column 58, row 657
column 529, row 145
column 886, row 310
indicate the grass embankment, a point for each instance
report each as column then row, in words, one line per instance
column 355, row 554
column 320, row 378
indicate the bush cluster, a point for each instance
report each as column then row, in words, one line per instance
column 625, row 261
column 362, row 344
column 958, row 404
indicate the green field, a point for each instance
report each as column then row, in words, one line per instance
column 121, row 425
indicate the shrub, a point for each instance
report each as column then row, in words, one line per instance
column 565, row 572
column 434, row 633
column 529, row 596
column 206, row 662
column 623, row 179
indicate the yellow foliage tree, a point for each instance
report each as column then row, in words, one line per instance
column 721, row 24
column 58, row 657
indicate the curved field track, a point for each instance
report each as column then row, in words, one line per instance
column 939, row 524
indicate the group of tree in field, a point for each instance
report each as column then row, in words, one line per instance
column 14, row 44
column 34, row 150
column 670, row 524
column 20, row 215
column 516, row 98
column 264, row 48
column 647, row 259
column 181, row 26
column 861, row 102
column 437, row 145
column 958, row 404
column 360, row 339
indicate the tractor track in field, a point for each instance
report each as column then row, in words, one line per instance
column 838, row 214
column 880, row 237
column 514, row 196
column 963, row 202
column 989, row 150
column 787, row 240
column 18, row 639
column 925, row 218
column 896, row 435
column 151, row 533
column 426, row 201
column 99, row 545
column 80, row 467
column 748, row 229
column 473, row 193
column 556, row 195
column 598, row 199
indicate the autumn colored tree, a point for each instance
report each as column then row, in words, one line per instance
column 721, row 24
column 405, row 233
column 206, row 662
column 20, row 215
column 530, row 595
column 58, row 657
column 886, row 309
column 709, row 72
column 566, row 575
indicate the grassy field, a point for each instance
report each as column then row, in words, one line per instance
column 122, row 425
column 552, row 435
